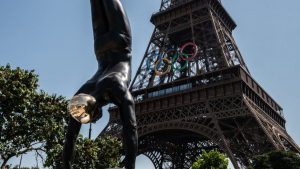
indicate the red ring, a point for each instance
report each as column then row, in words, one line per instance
column 189, row 43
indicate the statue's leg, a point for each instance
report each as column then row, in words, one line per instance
column 99, row 20
column 118, row 35
column 70, row 141
column 116, row 17
column 100, row 26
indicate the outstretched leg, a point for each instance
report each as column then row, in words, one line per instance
column 118, row 35
column 116, row 17
column 99, row 20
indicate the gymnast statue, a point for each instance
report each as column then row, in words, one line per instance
column 112, row 43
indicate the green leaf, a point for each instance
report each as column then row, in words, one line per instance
column 213, row 160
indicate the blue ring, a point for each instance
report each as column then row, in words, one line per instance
column 150, row 57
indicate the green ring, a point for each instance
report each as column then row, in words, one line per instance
column 175, row 57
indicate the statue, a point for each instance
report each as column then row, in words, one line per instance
column 112, row 43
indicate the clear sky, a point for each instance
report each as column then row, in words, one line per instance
column 54, row 37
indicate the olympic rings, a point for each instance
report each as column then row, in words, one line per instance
column 174, row 59
column 150, row 57
column 169, row 66
column 195, row 50
column 170, row 51
column 186, row 62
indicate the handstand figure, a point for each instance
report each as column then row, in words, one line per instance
column 112, row 43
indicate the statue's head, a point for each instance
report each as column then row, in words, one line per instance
column 82, row 107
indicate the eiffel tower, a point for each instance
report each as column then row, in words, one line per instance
column 212, row 103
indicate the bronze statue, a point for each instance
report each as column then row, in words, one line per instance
column 112, row 43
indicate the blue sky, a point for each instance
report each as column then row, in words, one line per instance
column 55, row 38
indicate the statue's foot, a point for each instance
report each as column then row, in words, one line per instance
column 82, row 107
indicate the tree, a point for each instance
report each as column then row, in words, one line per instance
column 277, row 159
column 27, row 118
column 261, row 161
column 32, row 121
column 100, row 153
column 211, row 160
column 17, row 167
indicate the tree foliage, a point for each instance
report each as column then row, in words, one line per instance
column 277, row 159
column 17, row 167
column 36, row 121
column 101, row 153
column 211, row 160
column 28, row 119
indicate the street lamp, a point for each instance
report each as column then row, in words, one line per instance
column 21, row 160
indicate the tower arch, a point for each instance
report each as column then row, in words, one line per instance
column 176, row 147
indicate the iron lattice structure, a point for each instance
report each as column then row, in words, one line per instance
column 214, row 103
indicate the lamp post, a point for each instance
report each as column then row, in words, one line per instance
column 21, row 160
column 90, row 134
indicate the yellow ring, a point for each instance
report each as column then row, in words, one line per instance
column 169, row 66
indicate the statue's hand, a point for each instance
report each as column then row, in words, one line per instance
column 97, row 115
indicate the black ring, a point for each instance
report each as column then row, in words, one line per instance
column 172, row 49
